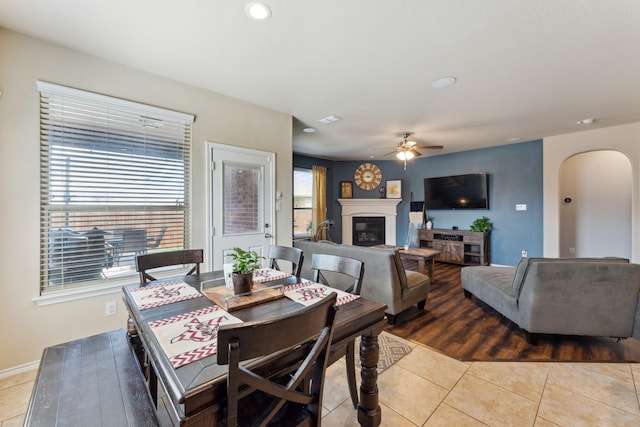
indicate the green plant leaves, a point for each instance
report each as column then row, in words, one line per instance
column 245, row 261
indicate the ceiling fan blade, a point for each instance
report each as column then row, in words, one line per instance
column 388, row 154
column 416, row 153
column 426, row 147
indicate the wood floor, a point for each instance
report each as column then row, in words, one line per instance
column 472, row 331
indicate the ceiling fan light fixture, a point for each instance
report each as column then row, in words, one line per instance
column 405, row 155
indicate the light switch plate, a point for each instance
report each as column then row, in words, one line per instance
column 521, row 207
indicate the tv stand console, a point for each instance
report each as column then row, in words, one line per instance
column 458, row 246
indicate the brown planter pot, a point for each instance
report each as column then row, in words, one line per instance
column 242, row 283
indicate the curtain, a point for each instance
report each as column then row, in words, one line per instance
column 319, row 212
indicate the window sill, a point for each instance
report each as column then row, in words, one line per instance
column 62, row 296
column 113, row 287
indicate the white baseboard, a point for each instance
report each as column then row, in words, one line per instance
column 19, row 369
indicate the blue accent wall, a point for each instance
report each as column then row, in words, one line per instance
column 515, row 177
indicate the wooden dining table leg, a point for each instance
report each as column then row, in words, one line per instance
column 369, row 413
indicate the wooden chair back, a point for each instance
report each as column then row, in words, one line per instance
column 338, row 264
column 309, row 329
column 349, row 267
column 293, row 255
column 164, row 259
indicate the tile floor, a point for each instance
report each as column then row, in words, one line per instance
column 426, row 388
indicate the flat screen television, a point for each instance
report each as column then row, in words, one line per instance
column 469, row 191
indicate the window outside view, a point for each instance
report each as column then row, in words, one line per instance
column 302, row 203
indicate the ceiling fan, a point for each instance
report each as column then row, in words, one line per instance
column 407, row 150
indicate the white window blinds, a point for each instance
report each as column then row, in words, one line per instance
column 114, row 184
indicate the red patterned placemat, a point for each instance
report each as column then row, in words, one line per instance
column 307, row 293
column 191, row 336
column 163, row 293
column 268, row 274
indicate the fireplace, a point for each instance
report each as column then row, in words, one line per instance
column 368, row 230
column 383, row 208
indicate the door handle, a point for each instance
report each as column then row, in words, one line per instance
column 267, row 235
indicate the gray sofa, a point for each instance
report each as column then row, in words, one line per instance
column 385, row 279
column 568, row 296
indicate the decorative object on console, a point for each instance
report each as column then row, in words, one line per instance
column 245, row 263
column 394, row 189
column 367, row 176
column 346, row 189
column 481, row 225
column 430, row 222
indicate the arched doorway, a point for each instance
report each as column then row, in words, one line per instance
column 595, row 205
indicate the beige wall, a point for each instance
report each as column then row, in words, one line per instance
column 25, row 328
column 624, row 139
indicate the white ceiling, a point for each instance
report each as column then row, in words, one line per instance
column 526, row 69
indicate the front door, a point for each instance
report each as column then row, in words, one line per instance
column 242, row 195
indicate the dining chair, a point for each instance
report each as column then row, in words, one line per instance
column 134, row 240
column 351, row 268
column 165, row 259
column 293, row 255
column 255, row 399
column 155, row 242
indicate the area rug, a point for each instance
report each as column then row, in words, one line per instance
column 391, row 350
column 470, row 330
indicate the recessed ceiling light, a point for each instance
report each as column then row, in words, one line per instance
column 586, row 121
column 329, row 119
column 443, row 82
column 309, row 130
column 258, row 11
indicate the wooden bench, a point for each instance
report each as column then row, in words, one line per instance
column 93, row 381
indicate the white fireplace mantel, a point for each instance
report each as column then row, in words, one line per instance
column 388, row 208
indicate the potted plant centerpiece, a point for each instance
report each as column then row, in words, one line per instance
column 244, row 264
column 481, row 224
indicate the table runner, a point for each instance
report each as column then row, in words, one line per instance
column 191, row 336
column 163, row 293
column 268, row 274
column 307, row 293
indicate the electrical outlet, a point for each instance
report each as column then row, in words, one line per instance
column 110, row 308
column 572, row 251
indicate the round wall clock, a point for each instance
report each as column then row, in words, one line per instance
column 367, row 176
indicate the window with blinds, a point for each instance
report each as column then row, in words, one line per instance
column 114, row 184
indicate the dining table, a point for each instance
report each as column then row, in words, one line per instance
column 195, row 390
